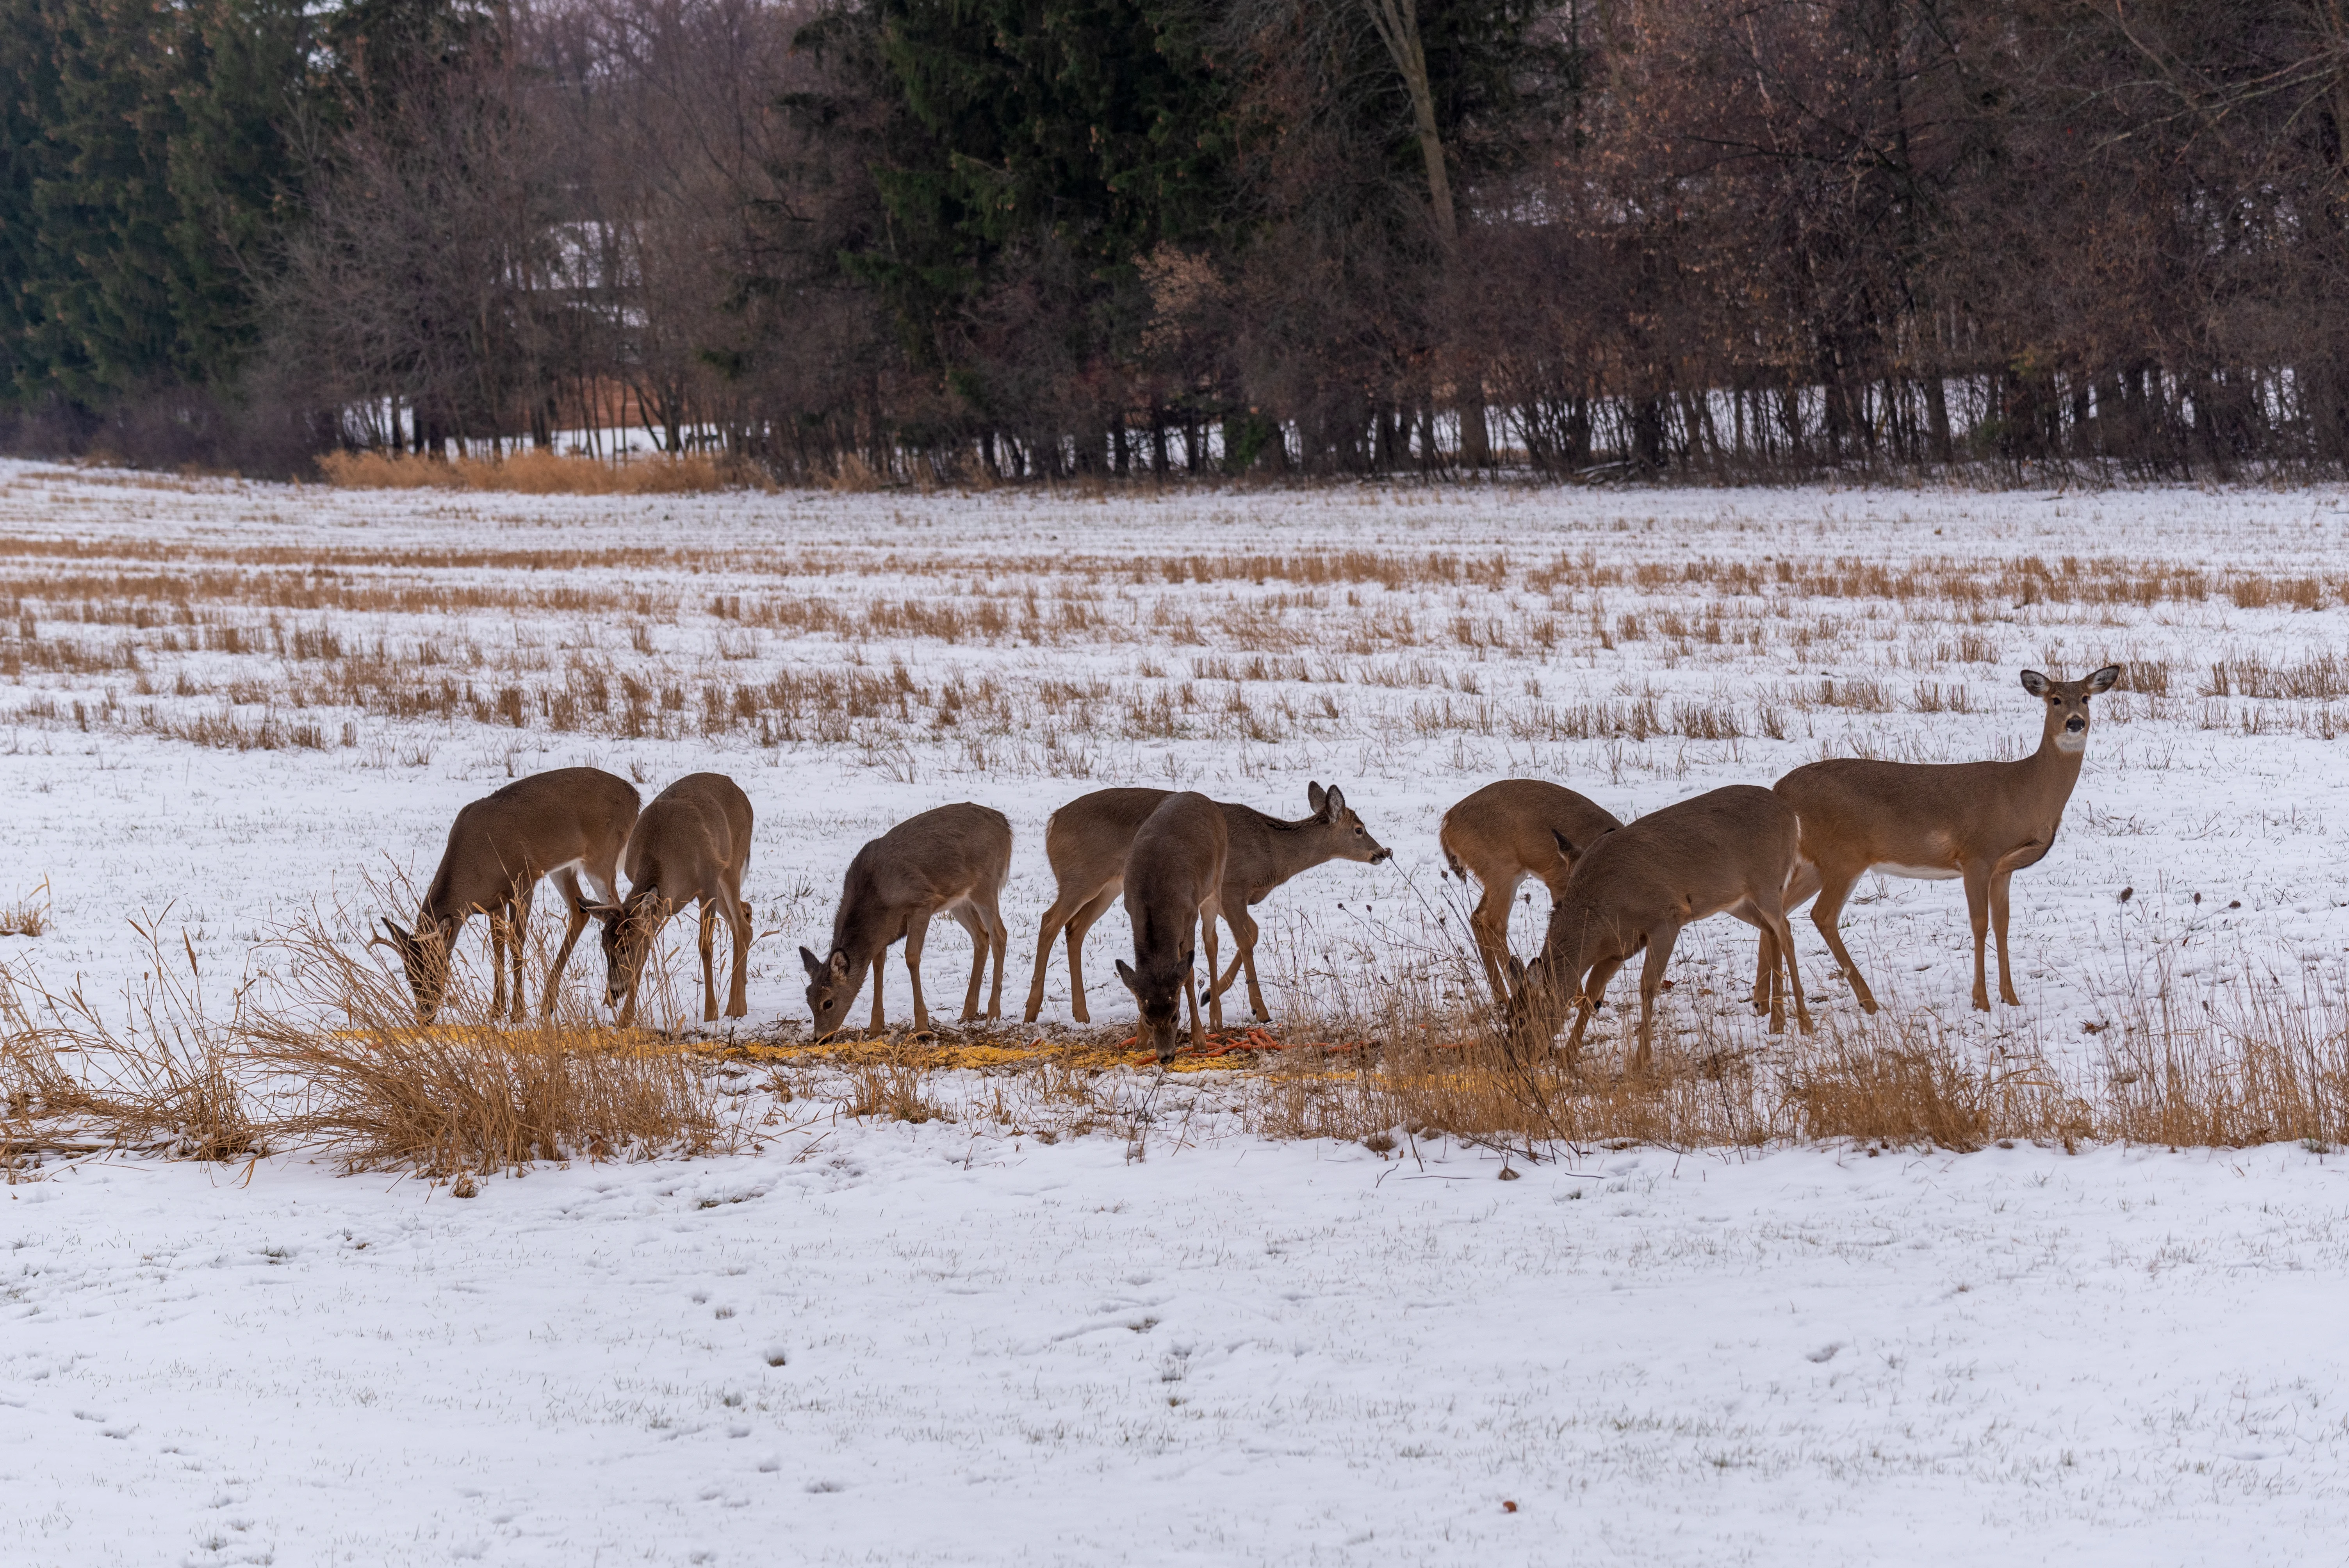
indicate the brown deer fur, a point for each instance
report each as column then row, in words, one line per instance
column 1729, row 851
column 951, row 861
column 693, row 841
column 1173, row 875
column 569, row 823
column 1980, row 821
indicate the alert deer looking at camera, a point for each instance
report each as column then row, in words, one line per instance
column 569, row 824
column 1174, row 877
column 950, row 861
column 1508, row 831
column 1088, row 838
column 1727, row 851
column 1981, row 822
column 693, row 841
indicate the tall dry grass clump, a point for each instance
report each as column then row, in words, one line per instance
column 358, row 1075
column 165, row 1080
column 535, row 472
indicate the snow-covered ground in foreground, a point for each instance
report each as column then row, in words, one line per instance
column 1237, row 1352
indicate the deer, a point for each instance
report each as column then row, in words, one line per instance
column 1730, row 850
column 1173, row 877
column 951, row 861
column 1978, row 822
column 570, row 824
column 693, row 841
column 1088, row 838
column 1506, row 833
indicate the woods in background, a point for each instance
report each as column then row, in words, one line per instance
column 1035, row 238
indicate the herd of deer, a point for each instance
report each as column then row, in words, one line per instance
column 1181, row 861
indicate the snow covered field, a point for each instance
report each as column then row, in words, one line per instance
column 229, row 701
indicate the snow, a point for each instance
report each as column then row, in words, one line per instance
column 994, row 1353
column 1233, row 1350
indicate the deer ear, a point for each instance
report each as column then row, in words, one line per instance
column 400, row 939
column 2102, row 681
column 1336, row 808
column 814, row 965
column 1318, row 798
column 1566, row 847
column 1125, row 973
column 838, row 965
column 2035, row 683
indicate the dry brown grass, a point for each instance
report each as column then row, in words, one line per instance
column 27, row 916
column 533, row 473
column 464, row 1093
column 377, row 1091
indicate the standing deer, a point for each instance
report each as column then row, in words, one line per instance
column 693, row 841
column 1174, row 876
column 1730, row 850
column 1982, row 822
column 570, row 824
column 1088, row 838
column 952, row 860
column 1508, row 831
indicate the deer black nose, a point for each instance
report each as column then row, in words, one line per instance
column 2076, row 724
column 1381, row 856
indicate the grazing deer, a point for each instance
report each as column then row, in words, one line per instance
column 570, row 824
column 693, row 841
column 1088, row 838
column 1503, row 834
column 1174, row 877
column 1729, row 851
column 951, row 861
column 1982, row 822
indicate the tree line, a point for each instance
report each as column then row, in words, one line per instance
column 1042, row 238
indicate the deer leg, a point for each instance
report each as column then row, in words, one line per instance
column 1488, row 927
column 1998, row 928
column 739, row 920
column 879, row 959
column 1215, row 998
column 971, row 920
column 708, row 957
column 1794, row 984
column 1593, row 992
column 499, row 925
column 1055, row 919
column 1977, row 877
column 1095, row 908
column 1827, row 915
column 999, row 935
column 1801, row 887
column 1190, row 1000
column 917, row 931
column 1244, row 932
column 1247, row 943
column 1651, row 982
column 575, row 908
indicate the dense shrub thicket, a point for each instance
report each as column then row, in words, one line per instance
column 1036, row 237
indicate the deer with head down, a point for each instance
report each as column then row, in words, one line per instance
column 693, row 841
column 570, row 823
column 953, row 861
column 1174, row 877
column 1505, row 833
column 1727, row 851
column 1087, row 841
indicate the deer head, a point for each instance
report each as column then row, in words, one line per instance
column 1353, row 839
column 2067, row 705
column 424, row 958
column 831, row 988
column 1159, row 995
